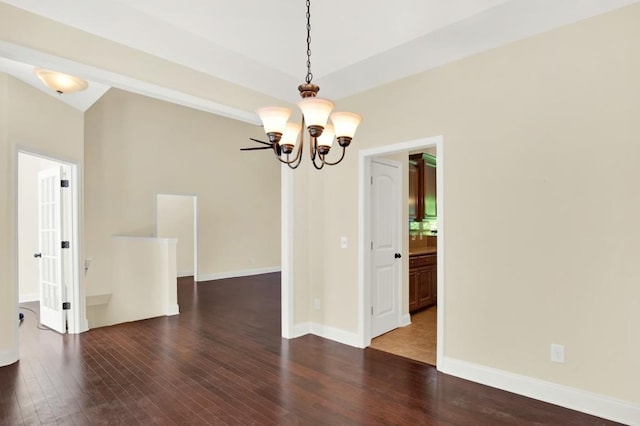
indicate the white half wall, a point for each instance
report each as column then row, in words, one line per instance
column 144, row 282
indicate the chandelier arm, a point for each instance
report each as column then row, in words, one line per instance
column 328, row 163
column 294, row 166
column 287, row 161
column 313, row 148
column 298, row 158
column 318, row 167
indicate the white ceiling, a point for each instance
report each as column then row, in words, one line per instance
column 356, row 44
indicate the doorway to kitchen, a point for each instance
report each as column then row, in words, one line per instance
column 366, row 158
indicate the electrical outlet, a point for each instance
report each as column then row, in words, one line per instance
column 316, row 304
column 557, row 353
column 343, row 242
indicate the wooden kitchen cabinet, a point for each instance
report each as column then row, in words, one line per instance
column 422, row 187
column 423, row 281
column 415, row 194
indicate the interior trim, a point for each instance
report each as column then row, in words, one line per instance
column 565, row 396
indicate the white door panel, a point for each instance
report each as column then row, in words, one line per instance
column 50, row 240
column 385, row 235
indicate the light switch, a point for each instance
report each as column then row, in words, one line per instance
column 343, row 242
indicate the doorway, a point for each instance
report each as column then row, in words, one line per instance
column 48, row 243
column 177, row 217
column 366, row 158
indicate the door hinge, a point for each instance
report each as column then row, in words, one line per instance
column 371, row 245
column 65, row 244
column 372, row 311
column 64, row 183
column 66, row 306
column 371, row 180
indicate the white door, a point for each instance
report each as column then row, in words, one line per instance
column 386, row 223
column 50, row 242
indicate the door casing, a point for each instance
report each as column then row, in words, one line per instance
column 364, row 223
column 76, row 316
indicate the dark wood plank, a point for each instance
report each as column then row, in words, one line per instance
column 222, row 361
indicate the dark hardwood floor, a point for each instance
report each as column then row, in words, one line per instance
column 222, row 361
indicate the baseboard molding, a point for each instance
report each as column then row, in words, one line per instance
column 331, row 333
column 28, row 297
column 406, row 320
column 576, row 399
column 236, row 274
column 301, row 329
column 173, row 310
column 9, row 356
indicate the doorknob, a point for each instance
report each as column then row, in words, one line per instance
column 397, row 255
column 37, row 255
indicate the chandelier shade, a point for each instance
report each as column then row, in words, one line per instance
column 290, row 136
column 287, row 140
column 274, row 119
column 316, row 112
column 326, row 138
column 345, row 123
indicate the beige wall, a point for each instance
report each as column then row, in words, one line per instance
column 137, row 147
column 540, row 189
column 36, row 122
column 175, row 219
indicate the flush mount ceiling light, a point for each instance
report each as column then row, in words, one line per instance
column 59, row 82
column 285, row 137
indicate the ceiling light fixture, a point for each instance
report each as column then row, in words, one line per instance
column 59, row 82
column 285, row 137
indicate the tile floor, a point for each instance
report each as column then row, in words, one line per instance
column 416, row 341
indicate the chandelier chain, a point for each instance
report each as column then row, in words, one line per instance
column 309, row 76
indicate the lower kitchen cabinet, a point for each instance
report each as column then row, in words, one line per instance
column 423, row 279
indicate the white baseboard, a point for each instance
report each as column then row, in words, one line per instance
column 8, row 357
column 406, row 320
column 28, row 297
column 239, row 273
column 576, row 399
column 182, row 274
column 331, row 333
column 301, row 329
column 173, row 310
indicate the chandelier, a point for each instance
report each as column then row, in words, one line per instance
column 287, row 139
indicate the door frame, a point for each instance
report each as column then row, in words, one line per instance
column 367, row 237
column 195, row 225
column 76, row 316
column 364, row 224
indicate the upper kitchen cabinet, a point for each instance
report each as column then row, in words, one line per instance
column 415, row 197
column 422, row 187
column 429, row 182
